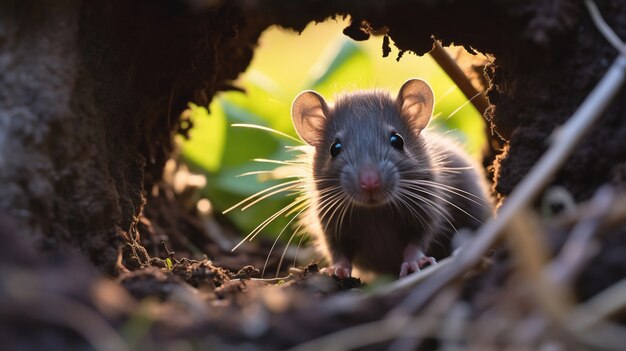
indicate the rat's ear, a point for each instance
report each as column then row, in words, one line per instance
column 308, row 113
column 415, row 101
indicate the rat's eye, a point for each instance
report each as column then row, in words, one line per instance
column 396, row 141
column 335, row 148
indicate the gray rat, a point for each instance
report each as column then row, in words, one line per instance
column 384, row 192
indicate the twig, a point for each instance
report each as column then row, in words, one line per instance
column 477, row 98
column 614, row 215
column 370, row 333
column 602, row 306
column 411, row 329
column 563, row 143
column 604, row 336
column 579, row 248
column 527, row 242
column 604, row 28
column 436, row 311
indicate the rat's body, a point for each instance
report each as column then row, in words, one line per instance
column 384, row 192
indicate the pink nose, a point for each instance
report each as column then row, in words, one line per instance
column 369, row 179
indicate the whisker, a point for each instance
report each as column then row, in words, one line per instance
column 410, row 208
column 413, row 197
column 342, row 216
column 330, row 205
column 257, row 230
column 298, row 249
column 282, row 257
column 268, row 195
column 327, row 203
column 420, row 217
column 340, row 205
column 291, row 182
column 264, row 224
column 279, row 162
column 463, row 105
column 267, row 129
column 444, row 95
column 264, row 172
column 456, row 191
column 418, row 188
column 303, row 201
column 274, row 244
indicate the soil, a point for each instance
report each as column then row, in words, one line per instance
column 91, row 98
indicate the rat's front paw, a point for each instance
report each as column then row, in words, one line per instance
column 414, row 260
column 341, row 269
column 416, row 265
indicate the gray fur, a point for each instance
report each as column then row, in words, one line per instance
column 373, row 236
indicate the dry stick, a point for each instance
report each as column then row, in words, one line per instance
column 604, row 28
column 615, row 215
column 438, row 310
column 603, row 336
column 602, row 306
column 579, row 247
column 477, row 98
column 531, row 250
column 369, row 333
column 452, row 69
column 381, row 330
column 563, row 142
column 589, row 321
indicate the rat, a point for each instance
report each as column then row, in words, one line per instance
column 385, row 195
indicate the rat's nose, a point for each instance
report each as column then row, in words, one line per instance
column 369, row 179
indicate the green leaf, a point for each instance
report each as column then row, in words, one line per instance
column 347, row 52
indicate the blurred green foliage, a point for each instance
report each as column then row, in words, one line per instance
column 285, row 64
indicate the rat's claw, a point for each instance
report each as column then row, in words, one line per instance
column 415, row 266
column 342, row 270
column 414, row 260
column 426, row 259
column 408, row 267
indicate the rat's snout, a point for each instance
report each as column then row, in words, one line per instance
column 369, row 178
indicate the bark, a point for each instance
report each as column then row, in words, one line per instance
column 91, row 97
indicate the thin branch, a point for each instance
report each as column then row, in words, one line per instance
column 371, row 333
column 602, row 306
column 579, row 247
column 452, row 69
column 614, row 215
column 529, row 246
column 604, row 336
column 604, row 28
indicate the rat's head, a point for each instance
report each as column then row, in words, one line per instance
column 366, row 142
